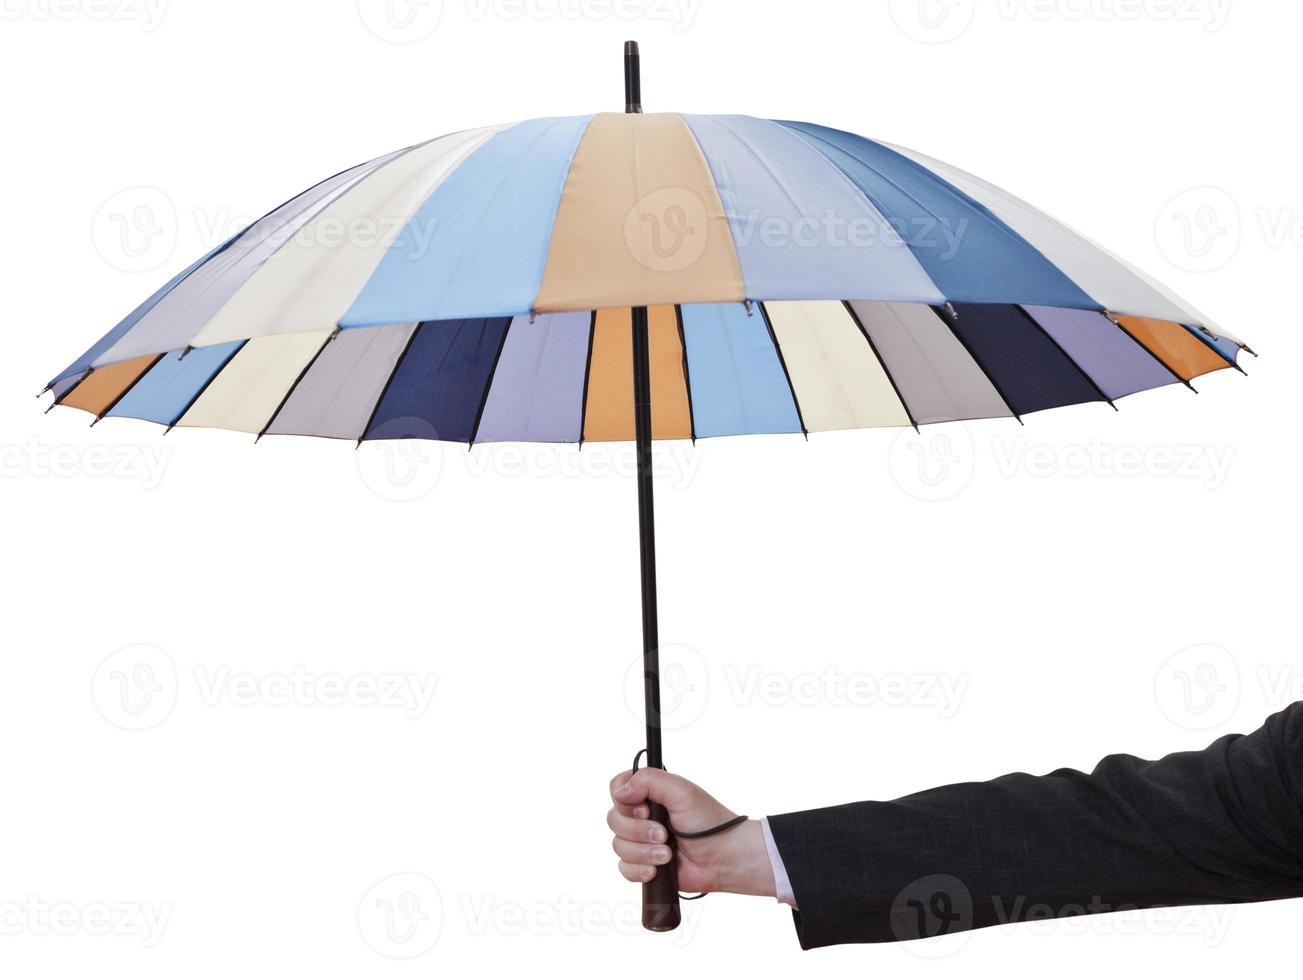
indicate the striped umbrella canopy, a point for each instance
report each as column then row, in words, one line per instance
column 478, row 287
column 638, row 276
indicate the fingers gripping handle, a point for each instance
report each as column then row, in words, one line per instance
column 659, row 913
column 660, row 896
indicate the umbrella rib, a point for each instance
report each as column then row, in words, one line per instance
column 687, row 376
column 375, row 409
column 782, row 362
column 488, row 383
column 881, row 361
column 945, row 318
column 204, row 387
column 1071, row 360
column 290, row 390
column 588, row 370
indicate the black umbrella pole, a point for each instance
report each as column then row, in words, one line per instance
column 660, row 896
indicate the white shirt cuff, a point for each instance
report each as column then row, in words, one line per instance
column 782, row 887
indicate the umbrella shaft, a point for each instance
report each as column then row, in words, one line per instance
column 642, row 423
column 642, row 420
column 660, row 896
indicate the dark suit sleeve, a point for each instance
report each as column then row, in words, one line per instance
column 1223, row 825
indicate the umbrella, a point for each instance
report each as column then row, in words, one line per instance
column 641, row 276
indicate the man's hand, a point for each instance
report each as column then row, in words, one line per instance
column 732, row 861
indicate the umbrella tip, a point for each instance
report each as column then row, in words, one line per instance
column 632, row 78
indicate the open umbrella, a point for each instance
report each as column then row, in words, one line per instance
column 629, row 276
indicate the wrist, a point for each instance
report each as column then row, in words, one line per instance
column 743, row 862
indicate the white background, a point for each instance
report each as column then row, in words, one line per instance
column 1058, row 583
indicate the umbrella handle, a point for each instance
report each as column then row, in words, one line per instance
column 660, row 896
